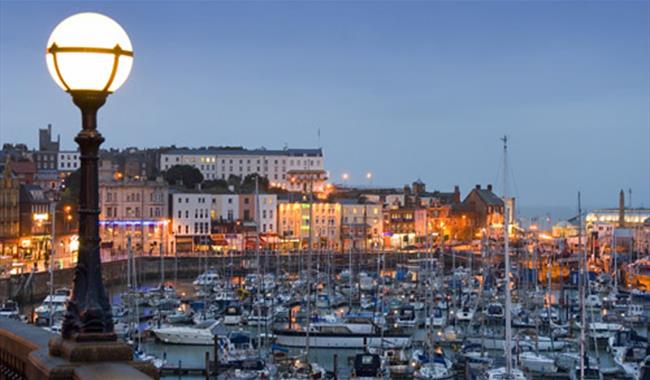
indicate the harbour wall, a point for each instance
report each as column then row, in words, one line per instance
column 148, row 269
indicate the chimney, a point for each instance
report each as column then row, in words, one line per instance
column 456, row 194
column 621, row 209
column 490, row 187
column 478, row 187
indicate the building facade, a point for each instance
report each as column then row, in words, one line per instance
column 68, row 161
column 9, row 213
column 135, row 212
column 190, row 215
column 294, row 225
column 35, row 222
column 361, row 225
column 223, row 163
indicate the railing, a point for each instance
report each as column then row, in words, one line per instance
column 24, row 354
column 17, row 341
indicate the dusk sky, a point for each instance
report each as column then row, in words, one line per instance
column 406, row 90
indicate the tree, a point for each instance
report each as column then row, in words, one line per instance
column 185, row 175
column 248, row 184
column 71, row 186
column 216, row 185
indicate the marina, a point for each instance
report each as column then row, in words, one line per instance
column 412, row 319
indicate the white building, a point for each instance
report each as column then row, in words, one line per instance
column 222, row 163
column 190, row 214
column 224, row 207
column 268, row 213
column 68, row 161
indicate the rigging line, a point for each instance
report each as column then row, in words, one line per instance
column 498, row 175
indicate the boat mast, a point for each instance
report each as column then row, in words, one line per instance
column 258, row 301
column 309, row 264
column 506, row 253
column 581, row 285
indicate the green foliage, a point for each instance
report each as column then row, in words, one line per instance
column 185, row 175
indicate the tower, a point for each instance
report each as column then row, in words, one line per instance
column 621, row 209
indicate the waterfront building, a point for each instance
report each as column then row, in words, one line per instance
column 35, row 222
column 221, row 163
column 190, row 216
column 135, row 210
column 224, row 207
column 268, row 213
column 9, row 213
column 632, row 217
column 361, row 224
column 485, row 208
column 399, row 227
column 294, row 222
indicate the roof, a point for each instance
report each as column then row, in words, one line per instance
column 244, row 152
column 32, row 194
column 21, row 167
column 489, row 197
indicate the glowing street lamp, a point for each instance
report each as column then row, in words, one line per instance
column 89, row 56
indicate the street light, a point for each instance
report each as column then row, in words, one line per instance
column 89, row 56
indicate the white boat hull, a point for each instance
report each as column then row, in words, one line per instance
column 341, row 341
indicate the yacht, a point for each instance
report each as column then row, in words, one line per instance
column 341, row 335
column 537, row 363
column 464, row 314
column 9, row 309
column 56, row 301
column 494, row 311
column 501, row 374
column 206, row 279
column 406, row 317
column 438, row 318
column 233, row 315
column 366, row 282
column 397, row 363
column 622, row 339
column 262, row 316
column 239, row 348
column 602, row 330
column 629, row 360
column 436, row 368
column 368, row 366
column 201, row 334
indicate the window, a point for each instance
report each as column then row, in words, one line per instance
column 187, row 213
column 245, row 201
column 187, row 229
column 263, row 213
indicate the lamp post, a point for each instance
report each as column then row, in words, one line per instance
column 89, row 56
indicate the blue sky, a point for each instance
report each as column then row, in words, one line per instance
column 406, row 90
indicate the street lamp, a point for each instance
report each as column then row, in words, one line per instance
column 89, row 56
